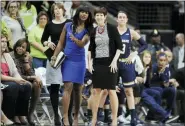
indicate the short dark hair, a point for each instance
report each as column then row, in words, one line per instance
column 19, row 43
column 59, row 5
column 100, row 10
column 122, row 12
column 41, row 14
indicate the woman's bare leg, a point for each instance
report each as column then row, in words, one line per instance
column 77, row 88
column 95, row 105
column 68, row 87
column 114, row 106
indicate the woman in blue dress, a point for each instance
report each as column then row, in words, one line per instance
column 74, row 37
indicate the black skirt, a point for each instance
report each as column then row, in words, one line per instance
column 102, row 77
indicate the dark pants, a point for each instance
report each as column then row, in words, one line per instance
column 152, row 99
column 16, row 99
column 38, row 62
column 169, row 94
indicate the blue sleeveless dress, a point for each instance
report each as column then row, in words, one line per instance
column 74, row 66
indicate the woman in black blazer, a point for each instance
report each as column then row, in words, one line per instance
column 104, row 51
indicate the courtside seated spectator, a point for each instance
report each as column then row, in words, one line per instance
column 17, row 94
column 23, row 62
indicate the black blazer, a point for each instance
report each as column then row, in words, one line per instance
column 114, row 41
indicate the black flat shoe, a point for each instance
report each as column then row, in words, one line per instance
column 24, row 123
column 57, row 121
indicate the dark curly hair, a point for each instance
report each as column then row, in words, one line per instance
column 19, row 43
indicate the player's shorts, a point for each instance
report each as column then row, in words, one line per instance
column 127, row 73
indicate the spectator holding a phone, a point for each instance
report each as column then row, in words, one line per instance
column 23, row 62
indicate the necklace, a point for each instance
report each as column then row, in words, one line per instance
column 101, row 30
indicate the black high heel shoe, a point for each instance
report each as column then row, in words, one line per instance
column 17, row 123
column 30, row 121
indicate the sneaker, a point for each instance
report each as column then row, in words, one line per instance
column 172, row 119
column 121, row 119
column 100, row 123
column 128, row 118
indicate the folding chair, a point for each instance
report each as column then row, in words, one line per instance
column 45, row 96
